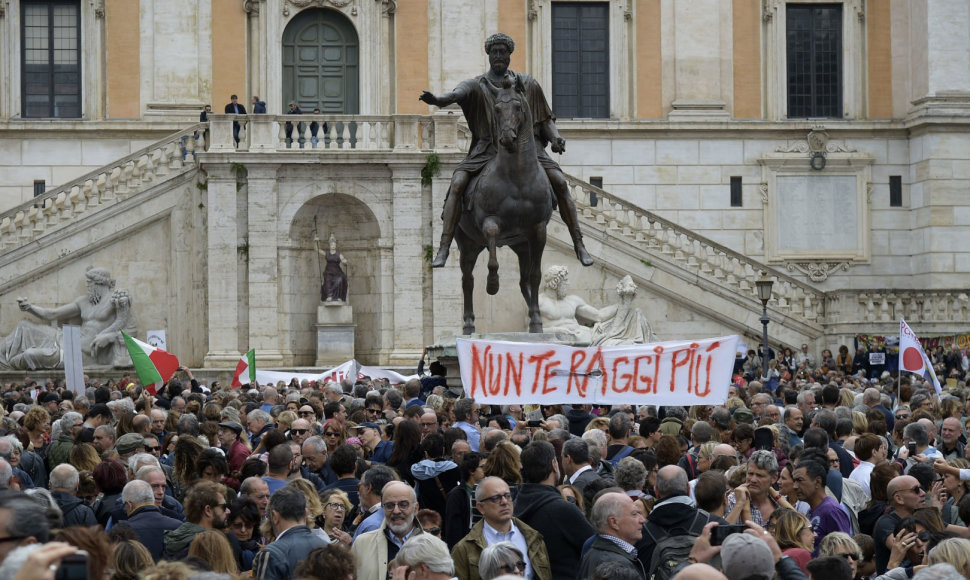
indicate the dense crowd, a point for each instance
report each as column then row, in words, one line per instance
column 815, row 470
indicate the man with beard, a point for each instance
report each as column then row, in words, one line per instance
column 474, row 96
column 205, row 509
column 294, row 540
column 104, row 313
column 373, row 550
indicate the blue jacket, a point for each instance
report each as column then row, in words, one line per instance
column 149, row 523
column 382, row 452
column 279, row 559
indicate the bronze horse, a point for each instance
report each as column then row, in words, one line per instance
column 512, row 201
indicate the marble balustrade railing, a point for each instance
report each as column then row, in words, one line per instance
column 944, row 306
column 113, row 182
column 700, row 256
column 270, row 133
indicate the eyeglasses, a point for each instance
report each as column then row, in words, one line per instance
column 570, row 499
column 221, row 505
column 507, row 568
column 432, row 531
column 923, row 536
column 902, row 416
column 850, row 556
column 337, row 506
column 833, row 461
column 373, row 411
column 402, row 505
column 153, row 448
column 298, row 431
column 497, row 498
column 330, row 434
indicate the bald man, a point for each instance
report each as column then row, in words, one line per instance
column 905, row 496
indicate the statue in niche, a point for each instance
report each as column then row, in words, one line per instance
column 334, row 287
column 622, row 323
column 103, row 314
column 566, row 314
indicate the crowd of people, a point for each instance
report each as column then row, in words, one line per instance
column 830, row 475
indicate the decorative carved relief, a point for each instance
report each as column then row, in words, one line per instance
column 628, row 11
column 817, row 271
column 98, row 8
column 764, row 192
column 388, row 6
column 316, row 3
column 817, row 141
column 251, row 6
column 532, row 13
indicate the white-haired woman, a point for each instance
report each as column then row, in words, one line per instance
column 499, row 559
column 426, row 557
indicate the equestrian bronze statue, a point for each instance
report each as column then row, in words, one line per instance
column 504, row 192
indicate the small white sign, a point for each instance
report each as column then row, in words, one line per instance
column 156, row 338
column 877, row 358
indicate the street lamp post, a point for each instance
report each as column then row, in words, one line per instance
column 763, row 287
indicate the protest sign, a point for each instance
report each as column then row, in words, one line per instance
column 696, row 372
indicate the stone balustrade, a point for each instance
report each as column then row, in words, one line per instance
column 700, row 256
column 274, row 133
column 116, row 181
column 925, row 306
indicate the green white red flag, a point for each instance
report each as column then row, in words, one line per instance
column 153, row 365
column 245, row 369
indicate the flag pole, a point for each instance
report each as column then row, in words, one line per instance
column 316, row 250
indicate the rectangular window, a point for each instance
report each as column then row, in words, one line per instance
column 51, row 59
column 736, row 191
column 40, row 186
column 814, row 49
column 895, row 191
column 581, row 59
column 595, row 182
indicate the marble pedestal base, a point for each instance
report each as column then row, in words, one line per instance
column 446, row 350
column 335, row 333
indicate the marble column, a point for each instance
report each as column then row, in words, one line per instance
column 223, row 267
column 264, row 279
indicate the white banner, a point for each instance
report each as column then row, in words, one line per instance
column 912, row 357
column 694, row 372
column 351, row 369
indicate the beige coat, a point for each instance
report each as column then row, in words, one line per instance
column 370, row 552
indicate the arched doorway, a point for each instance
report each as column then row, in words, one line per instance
column 320, row 63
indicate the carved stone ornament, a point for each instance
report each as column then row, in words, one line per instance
column 299, row 4
column 764, row 192
column 532, row 12
column 628, row 11
column 817, row 141
column 388, row 6
column 98, row 8
column 251, row 6
column 3, row 9
column 817, row 271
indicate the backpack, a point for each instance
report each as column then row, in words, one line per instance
column 620, row 455
column 670, row 549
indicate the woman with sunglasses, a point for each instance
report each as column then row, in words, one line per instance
column 841, row 545
column 571, row 494
column 333, row 434
column 500, row 559
column 909, row 547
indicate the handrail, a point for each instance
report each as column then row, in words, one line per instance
column 51, row 195
column 703, row 256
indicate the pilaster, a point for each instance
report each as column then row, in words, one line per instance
column 409, row 267
column 223, row 268
column 264, row 278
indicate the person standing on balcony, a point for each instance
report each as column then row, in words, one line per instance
column 235, row 108
column 294, row 110
column 474, row 96
column 259, row 107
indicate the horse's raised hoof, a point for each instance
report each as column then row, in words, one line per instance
column 535, row 327
column 491, row 283
column 441, row 259
column 584, row 257
column 468, row 329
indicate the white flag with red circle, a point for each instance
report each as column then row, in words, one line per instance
column 912, row 357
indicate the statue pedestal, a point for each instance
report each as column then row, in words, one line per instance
column 446, row 350
column 335, row 333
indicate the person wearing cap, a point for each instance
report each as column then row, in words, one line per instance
column 378, row 451
column 235, row 450
column 129, row 444
column 50, row 402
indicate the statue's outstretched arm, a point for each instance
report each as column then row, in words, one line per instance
column 590, row 315
column 550, row 134
column 71, row 310
column 442, row 100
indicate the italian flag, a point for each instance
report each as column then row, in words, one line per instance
column 153, row 365
column 245, row 369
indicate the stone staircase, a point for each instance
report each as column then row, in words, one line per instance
column 90, row 194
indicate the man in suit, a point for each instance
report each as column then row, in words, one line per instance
column 235, row 108
column 374, row 549
column 294, row 540
column 145, row 518
column 576, row 463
